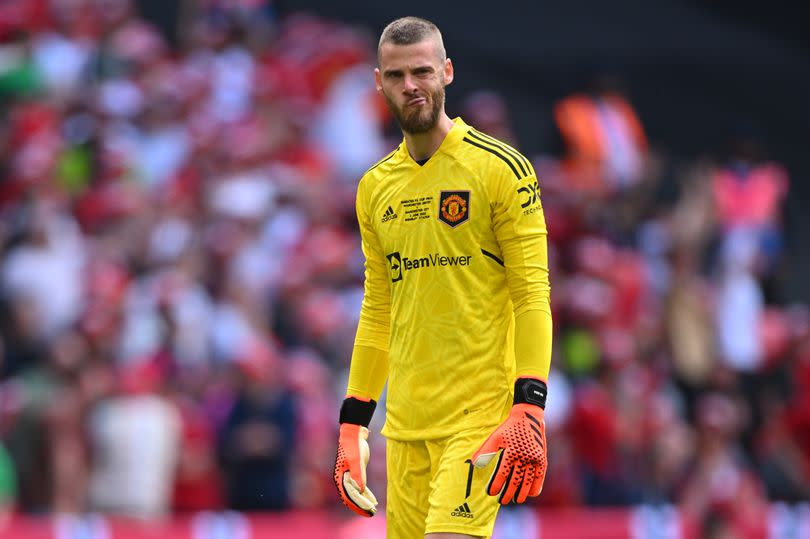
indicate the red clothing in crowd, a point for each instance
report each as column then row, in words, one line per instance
column 750, row 198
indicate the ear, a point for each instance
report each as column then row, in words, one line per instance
column 378, row 79
column 448, row 71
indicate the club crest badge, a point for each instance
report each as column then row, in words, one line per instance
column 454, row 207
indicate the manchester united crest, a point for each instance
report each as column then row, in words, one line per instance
column 454, row 207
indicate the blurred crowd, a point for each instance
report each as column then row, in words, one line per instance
column 181, row 277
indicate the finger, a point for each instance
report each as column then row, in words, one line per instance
column 370, row 495
column 357, row 477
column 350, row 452
column 512, row 484
column 483, row 459
column 487, row 451
column 350, row 503
column 539, row 477
column 364, row 500
column 526, row 483
column 499, row 474
column 541, row 467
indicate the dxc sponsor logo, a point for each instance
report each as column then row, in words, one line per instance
column 531, row 194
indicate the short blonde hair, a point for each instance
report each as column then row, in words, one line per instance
column 410, row 30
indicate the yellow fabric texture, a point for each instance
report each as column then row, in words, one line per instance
column 436, row 490
column 533, row 332
column 455, row 252
column 368, row 372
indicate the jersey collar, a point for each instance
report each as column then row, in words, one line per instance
column 455, row 135
column 451, row 140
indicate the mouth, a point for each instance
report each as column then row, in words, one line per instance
column 416, row 102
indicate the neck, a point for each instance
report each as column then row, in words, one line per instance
column 423, row 145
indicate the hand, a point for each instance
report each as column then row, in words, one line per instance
column 350, row 470
column 521, row 468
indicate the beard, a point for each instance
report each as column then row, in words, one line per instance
column 420, row 120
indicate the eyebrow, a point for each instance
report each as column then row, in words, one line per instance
column 424, row 67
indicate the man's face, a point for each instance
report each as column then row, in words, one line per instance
column 412, row 80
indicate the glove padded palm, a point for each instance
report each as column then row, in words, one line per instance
column 350, row 470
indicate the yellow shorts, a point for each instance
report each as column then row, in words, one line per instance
column 433, row 487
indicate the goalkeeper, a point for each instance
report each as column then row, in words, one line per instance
column 455, row 314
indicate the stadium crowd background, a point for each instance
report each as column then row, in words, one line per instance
column 181, row 277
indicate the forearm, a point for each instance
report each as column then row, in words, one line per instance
column 533, row 334
column 527, row 275
column 368, row 372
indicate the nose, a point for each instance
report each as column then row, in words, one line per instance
column 409, row 86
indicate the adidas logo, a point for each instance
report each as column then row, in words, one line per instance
column 462, row 510
column 389, row 215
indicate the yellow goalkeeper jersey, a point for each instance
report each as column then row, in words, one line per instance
column 455, row 250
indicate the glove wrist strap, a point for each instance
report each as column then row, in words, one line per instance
column 356, row 411
column 530, row 391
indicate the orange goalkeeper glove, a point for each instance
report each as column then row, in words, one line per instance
column 352, row 456
column 521, row 468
